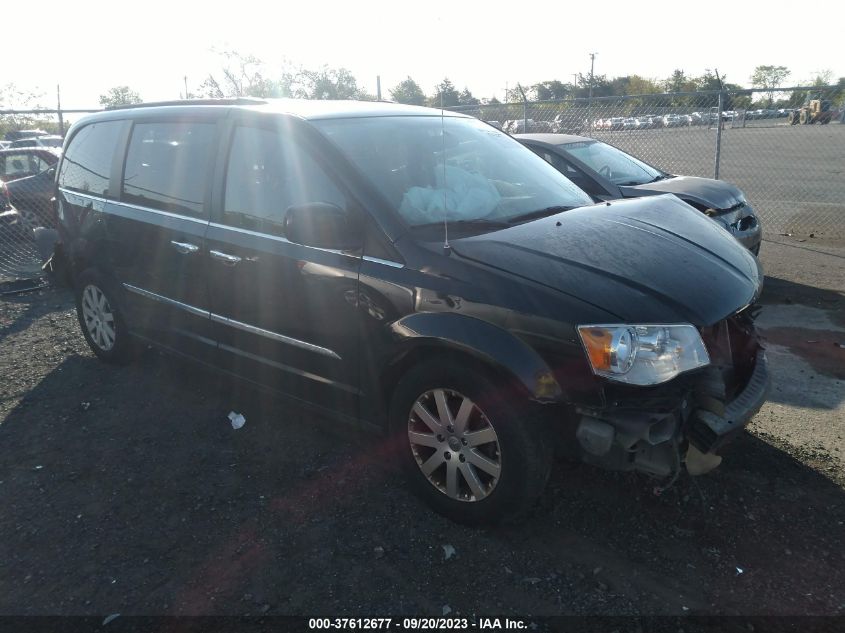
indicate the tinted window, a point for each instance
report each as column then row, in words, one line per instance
column 87, row 161
column 23, row 164
column 267, row 174
column 575, row 175
column 167, row 166
column 614, row 164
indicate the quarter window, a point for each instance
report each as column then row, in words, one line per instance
column 86, row 164
column 167, row 166
column 267, row 174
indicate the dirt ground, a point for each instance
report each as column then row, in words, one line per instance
column 126, row 490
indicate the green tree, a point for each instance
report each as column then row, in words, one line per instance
column 408, row 91
column 551, row 90
column 119, row 95
column 823, row 77
column 245, row 76
column 11, row 98
column 466, row 98
column 769, row 78
column 445, row 95
column 329, row 83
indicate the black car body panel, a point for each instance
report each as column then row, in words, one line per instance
column 337, row 328
column 713, row 194
column 614, row 256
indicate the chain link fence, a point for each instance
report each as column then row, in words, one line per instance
column 784, row 148
column 30, row 146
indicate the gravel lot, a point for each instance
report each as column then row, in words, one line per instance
column 126, row 490
column 793, row 175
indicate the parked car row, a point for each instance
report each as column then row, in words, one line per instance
column 649, row 121
column 422, row 272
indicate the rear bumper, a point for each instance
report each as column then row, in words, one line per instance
column 708, row 431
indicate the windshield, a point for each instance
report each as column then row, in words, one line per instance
column 487, row 176
column 614, row 164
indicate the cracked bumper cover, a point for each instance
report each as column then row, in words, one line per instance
column 708, row 431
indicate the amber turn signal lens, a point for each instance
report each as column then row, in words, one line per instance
column 597, row 342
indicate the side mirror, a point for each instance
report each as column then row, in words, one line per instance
column 322, row 225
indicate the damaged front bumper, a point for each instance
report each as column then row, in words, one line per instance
column 682, row 424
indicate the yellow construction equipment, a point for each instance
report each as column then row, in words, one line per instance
column 813, row 111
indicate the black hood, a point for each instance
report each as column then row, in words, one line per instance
column 646, row 260
column 714, row 194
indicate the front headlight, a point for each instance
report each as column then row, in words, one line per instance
column 643, row 354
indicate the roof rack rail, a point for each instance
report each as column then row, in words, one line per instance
column 190, row 102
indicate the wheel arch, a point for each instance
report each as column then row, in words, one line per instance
column 485, row 346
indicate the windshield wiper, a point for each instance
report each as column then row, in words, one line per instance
column 539, row 213
column 634, row 183
column 470, row 224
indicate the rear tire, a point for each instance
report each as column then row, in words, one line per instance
column 101, row 318
column 472, row 454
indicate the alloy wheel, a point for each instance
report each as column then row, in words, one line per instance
column 99, row 317
column 454, row 445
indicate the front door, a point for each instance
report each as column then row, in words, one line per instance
column 285, row 315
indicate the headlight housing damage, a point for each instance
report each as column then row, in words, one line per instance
column 643, row 354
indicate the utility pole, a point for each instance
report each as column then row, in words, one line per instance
column 378, row 87
column 186, row 85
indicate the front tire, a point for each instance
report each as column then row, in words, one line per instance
column 472, row 453
column 101, row 319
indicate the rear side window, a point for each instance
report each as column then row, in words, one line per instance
column 267, row 174
column 87, row 161
column 167, row 166
column 22, row 165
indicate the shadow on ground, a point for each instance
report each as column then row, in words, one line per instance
column 126, row 490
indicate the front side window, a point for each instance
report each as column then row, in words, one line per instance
column 430, row 169
column 614, row 164
column 167, row 166
column 86, row 164
column 267, row 174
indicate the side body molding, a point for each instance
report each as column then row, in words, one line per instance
column 485, row 341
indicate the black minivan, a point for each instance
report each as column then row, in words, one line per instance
column 420, row 271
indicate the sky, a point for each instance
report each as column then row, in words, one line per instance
column 89, row 46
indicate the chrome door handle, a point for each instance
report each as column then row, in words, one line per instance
column 229, row 260
column 184, row 247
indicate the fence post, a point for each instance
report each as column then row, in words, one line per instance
column 719, row 135
column 524, row 114
column 59, row 110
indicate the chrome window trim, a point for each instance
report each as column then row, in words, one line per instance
column 245, row 327
column 278, row 238
column 384, row 262
column 136, row 207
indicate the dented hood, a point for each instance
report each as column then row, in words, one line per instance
column 715, row 194
column 645, row 260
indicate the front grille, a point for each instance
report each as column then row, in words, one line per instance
column 733, row 344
